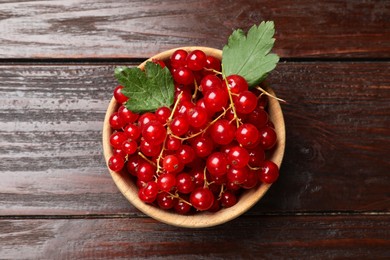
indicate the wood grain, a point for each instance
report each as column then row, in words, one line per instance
column 336, row 152
column 134, row 29
column 268, row 237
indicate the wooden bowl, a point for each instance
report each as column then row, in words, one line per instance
column 202, row 219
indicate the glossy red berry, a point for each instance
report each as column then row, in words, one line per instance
column 129, row 146
column 197, row 117
column 196, row 60
column 184, row 183
column 171, row 163
column 236, row 83
column 117, row 139
column 217, row 164
column 216, row 99
column 247, row 134
column 202, row 199
column 185, row 153
column 116, row 122
column 210, row 82
column 267, row 137
column 166, row 181
column 146, row 118
column 228, row 199
column 238, row 157
column 132, row 131
column 127, row 115
column 269, row 172
column 178, row 58
column 203, row 146
column 212, row 63
column 119, row 96
column 183, row 76
column 179, row 125
column 245, row 102
column 165, row 200
column 145, row 171
column 116, row 162
column 162, row 114
column 222, row 132
column 154, row 132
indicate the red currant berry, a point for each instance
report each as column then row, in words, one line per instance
column 151, row 189
column 178, row 58
column 127, row 115
column 145, row 171
column 196, row 60
column 154, row 132
column 203, row 146
column 228, row 199
column 256, row 156
column 238, row 157
column 117, row 139
column 183, row 76
column 247, row 134
column 172, row 143
column 132, row 131
column 267, row 137
column 202, row 199
column 116, row 163
column 120, row 152
column 237, row 84
column 166, row 181
column 184, row 183
column 170, row 163
column 197, row 117
column 269, row 172
column 162, row 114
column 149, row 149
column 119, row 96
column 258, row 117
column 143, row 191
column 222, row 132
column 182, row 207
column 116, row 122
column 185, row 154
column 132, row 164
column 217, row 164
column 215, row 100
column 210, row 82
column 197, row 175
column 179, row 125
column 251, row 180
column 245, row 102
column 213, row 63
column 146, row 118
column 129, row 146
column 237, row 176
column 165, row 200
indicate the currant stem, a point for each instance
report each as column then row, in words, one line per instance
column 232, row 102
column 176, row 196
column 195, row 92
column 168, row 132
column 146, row 159
column 270, row 95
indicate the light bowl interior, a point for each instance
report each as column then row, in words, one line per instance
column 200, row 219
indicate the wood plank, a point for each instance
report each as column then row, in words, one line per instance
column 267, row 237
column 337, row 139
column 133, row 29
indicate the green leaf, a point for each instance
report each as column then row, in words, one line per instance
column 147, row 90
column 249, row 56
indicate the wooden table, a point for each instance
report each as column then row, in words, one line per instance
column 57, row 199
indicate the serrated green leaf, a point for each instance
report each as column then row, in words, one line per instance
column 147, row 90
column 249, row 56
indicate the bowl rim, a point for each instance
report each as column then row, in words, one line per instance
column 246, row 201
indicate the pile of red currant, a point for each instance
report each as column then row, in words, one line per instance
column 204, row 150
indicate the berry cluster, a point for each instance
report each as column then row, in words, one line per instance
column 204, row 150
